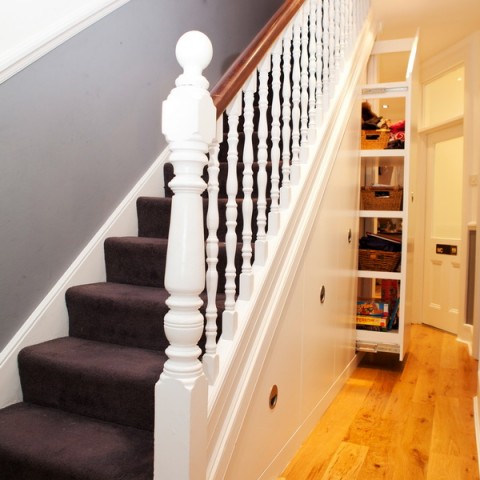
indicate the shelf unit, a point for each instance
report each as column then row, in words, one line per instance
column 394, row 340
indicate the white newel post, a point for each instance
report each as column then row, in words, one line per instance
column 189, row 124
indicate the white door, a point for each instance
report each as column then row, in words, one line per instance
column 443, row 235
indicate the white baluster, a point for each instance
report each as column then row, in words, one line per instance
column 351, row 25
column 261, row 242
column 274, row 215
column 210, row 358
column 312, row 54
column 326, row 55
column 320, row 61
column 348, row 28
column 357, row 16
column 246, row 277
column 285, row 191
column 331, row 59
column 343, row 31
column 181, row 392
column 229, row 325
column 295, row 169
column 304, row 88
column 337, row 33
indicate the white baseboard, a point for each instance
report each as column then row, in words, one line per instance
column 476, row 416
column 50, row 319
column 465, row 335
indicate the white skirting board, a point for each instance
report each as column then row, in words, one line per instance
column 465, row 335
column 476, row 416
column 50, row 319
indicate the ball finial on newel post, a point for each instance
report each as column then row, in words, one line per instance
column 194, row 53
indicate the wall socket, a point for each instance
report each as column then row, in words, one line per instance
column 473, row 180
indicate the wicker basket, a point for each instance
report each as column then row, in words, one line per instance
column 378, row 260
column 375, row 139
column 381, row 198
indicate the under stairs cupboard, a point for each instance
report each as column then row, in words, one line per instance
column 382, row 321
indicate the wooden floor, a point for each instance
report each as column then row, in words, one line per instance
column 394, row 420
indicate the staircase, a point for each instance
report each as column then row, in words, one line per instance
column 88, row 409
column 88, row 406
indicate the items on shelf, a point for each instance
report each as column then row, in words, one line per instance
column 372, row 313
column 390, row 291
column 381, row 197
column 375, row 129
column 380, row 252
column 390, row 225
column 380, row 314
column 397, row 135
column 379, row 133
column 372, row 121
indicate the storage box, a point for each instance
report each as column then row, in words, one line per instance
column 365, row 320
column 374, row 139
column 378, row 260
column 381, row 198
column 372, row 308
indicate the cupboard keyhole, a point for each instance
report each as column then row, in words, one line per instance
column 322, row 294
column 272, row 401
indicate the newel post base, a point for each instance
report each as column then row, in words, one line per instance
column 181, row 394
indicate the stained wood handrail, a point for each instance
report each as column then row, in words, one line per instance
column 236, row 76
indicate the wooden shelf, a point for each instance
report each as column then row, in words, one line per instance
column 380, row 275
column 368, row 341
column 381, row 214
column 385, row 90
column 388, row 152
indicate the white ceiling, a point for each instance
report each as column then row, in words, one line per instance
column 442, row 23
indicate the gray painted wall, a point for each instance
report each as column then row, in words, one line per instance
column 81, row 125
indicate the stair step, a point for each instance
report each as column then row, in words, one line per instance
column 154, row 214
column 104, row 381
column 128, row 315
column 123, row 314
column 39, row 443
column 136, row 260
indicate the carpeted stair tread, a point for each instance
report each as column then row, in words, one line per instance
column 152, row 216
column 136, row 260
column 39, row 443
column 101, row 380
column 123, row 314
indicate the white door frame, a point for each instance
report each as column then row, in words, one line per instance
column 446, row 132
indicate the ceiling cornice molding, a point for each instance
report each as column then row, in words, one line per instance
column 31, row 49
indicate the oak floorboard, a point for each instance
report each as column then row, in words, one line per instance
column 346, row 462
column 405, row 420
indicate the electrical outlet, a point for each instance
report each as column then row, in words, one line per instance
column 473, row 180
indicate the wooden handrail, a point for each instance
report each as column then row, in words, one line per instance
column 236, row 76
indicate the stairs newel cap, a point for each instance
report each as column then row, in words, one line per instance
column 189, row 114
column 194, row 53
